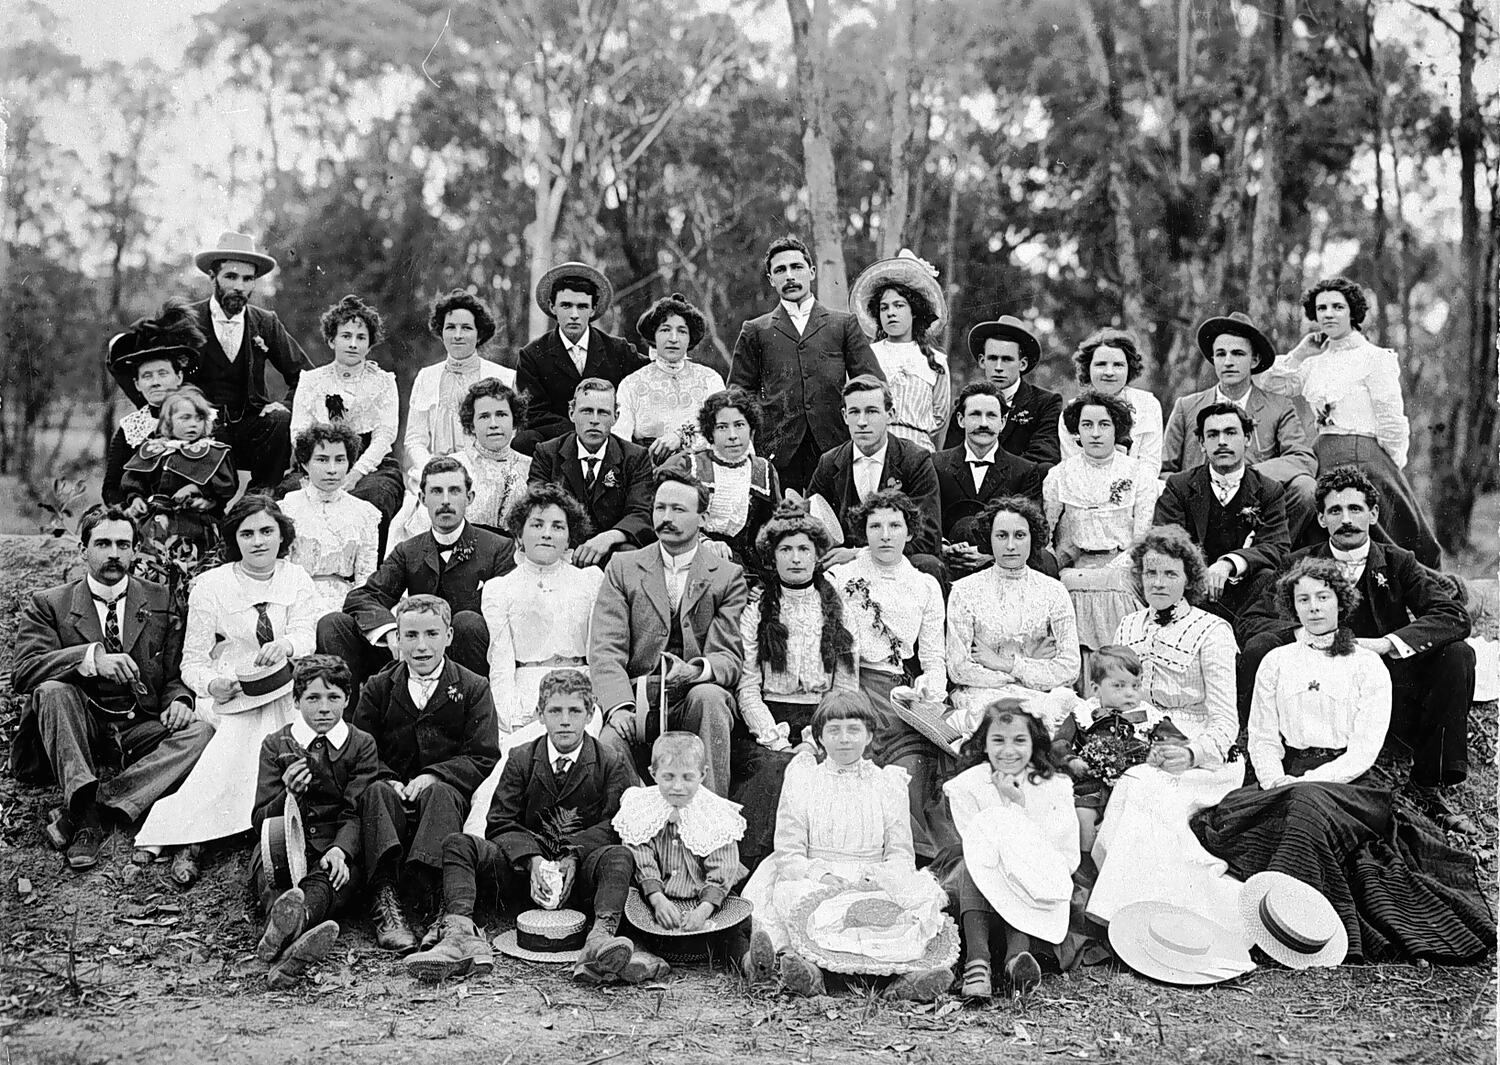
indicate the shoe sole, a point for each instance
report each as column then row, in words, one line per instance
column 285, row 922
column 762, row 956
column 1025, row 975
column 612, row 957
column 436, row 970
column 635, row 972
column 309, row 948
column 81, row 863
column 799, row 981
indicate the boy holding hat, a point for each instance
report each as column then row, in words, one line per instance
column 1006, row 352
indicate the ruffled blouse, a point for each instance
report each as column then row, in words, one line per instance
column 804, row 680
column 1023, row 608
column 1098, row 506
column 337, row 542
column 1353, row 388
column 658, row 399
column 830, row 816
column 894, row 612
column 366, row 404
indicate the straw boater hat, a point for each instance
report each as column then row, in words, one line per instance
column 259, row 685
column 1007, row 327
column 549, row 281
column 283, row 846
column 676, row 944
column 941, row 952
column 1292, row 921
column 1239, row 325
column 926, row 715
column 237, row 246
column 548, row 936
column 1177, row 946
column 905, row 269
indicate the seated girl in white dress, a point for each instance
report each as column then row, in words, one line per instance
column 843, row 822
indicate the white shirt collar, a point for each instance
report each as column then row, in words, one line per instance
column 801, row 310
column 1229, row 482
column 303, row 734
column 679, row 563
column 970, row 455
column 1359, row 554
column 449, row 539
column 583, row 341
column 553, row 754
column 1010, row 393
column 107, row 591
column 878, row 458
column 218, row 314
column 432, row 678
column 597, row 456
column 1220, row 396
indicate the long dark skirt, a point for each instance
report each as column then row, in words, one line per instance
column 1400, row 890
column 1402, row 520
column 757, row 773
column 897, row 743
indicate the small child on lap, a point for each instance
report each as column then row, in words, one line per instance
column 326, row 764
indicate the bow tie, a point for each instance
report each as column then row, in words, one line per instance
column 981, row 462
column 1165, row 617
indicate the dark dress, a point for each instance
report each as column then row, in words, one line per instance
column 155, row 473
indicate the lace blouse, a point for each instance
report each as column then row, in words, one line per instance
column 1146, row 432
column 830, row 816
column 1353, row 388
column 804, row 680
column 920, row 395
column 337, row 541
column 894, row 612
column 729, row 504
column 1031, row 612
column 657, row 399
column 368, row 403
column 1098, row 506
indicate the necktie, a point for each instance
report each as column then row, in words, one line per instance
column 112, row 642
column 560, row 767
column 317, row 759
column 589, row 473
column 264, row 634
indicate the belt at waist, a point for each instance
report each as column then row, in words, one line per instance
column 819, row 854
column 555, row 662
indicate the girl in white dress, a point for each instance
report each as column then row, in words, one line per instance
column 259, row 609
column 338, row 535
column 841, row 821
column 1106, row 362
column 900, row 304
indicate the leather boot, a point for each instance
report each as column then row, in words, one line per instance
column 643, row 966
column 392, row 932
column 604, row 952
column 284, row 923
column 800, row 976
column 83, row 849
column 461, row 952
column 308, row 949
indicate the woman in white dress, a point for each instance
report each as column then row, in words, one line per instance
column 659, row 402
column 1145, row 849
column 1354, row 390
column 489, row 415
column 1098, row 502
column 337, row 534
column 353, row 391
column 1011, row 630
column 257, row 610
column 900, row 304
column 1106, row 362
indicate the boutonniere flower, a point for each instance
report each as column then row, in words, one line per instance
column 260, row 343
column 610, row 480
column 1325, row 416
column 452, row 692
column 1251, row 515
column 894, row 484
column 1021, row 417
column 1380, row 580
column 1118, row 490
column 463, row 551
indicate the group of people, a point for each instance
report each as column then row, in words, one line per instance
column 1068, row 672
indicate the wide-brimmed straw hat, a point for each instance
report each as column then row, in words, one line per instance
column 259, row 685
column 676, row 944
column 1177, row 946
column 1292, row 922
column 548, row 283
column 552, row 937
column 926, row 715
column 1237, row 324
column 237, row 246
column 1007, row 327
column 905, row 269
column 283, row 846
column 940, row 953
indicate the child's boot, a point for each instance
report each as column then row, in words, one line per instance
column 308, row 949
column 604, row 952
column 461, row 952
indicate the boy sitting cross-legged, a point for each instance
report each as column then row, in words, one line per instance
column 564, row 777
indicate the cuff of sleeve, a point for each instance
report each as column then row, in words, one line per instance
column 650, row 887
column 1205, row 754
column 89, row 667
column 713, row 894
column 377, row 635
column 1237, row 564
column 1403, row 650
column 705, row 671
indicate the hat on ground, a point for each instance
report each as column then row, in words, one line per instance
column 1237, row 324
column 548, row 936
column 548, row 283
column 259, row 685
column 1007, row 327
column 877, row 912
column 926, row 715
column 676, row 944
column 1292, row 922
column 1177, row 946
column 283, row 846
column 905, row 269
column 237, row 246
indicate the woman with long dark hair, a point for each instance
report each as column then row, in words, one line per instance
column 900, row 304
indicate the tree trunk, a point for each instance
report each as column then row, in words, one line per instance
column 902, row 82
column 950, row 261
column 810, row 45
column 1265, row 238
column 1380, row 270
column 1184, row 87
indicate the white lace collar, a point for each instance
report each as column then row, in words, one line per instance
column 704, row 825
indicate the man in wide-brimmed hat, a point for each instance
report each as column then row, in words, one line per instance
column 1277, row 448
column 1006, row 351
column 574, row 295
column 231, row 368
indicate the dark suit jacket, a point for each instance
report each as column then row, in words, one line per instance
column 907, row 467
column 240, row 386
column 330, row 805
column 455, row 737
column 798, row 379
column 1187, row 499
column 547, row 375
column 528, row 793
column 622, row 493
column 961, row 504
column 416, row 567
column 1277, row 448
column 55, row 628
column 1398, row 597
column 1031, row 429
column 632, row 615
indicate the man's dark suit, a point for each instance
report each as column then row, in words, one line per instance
column 65, row 729
column 1431, row 691
column 622, row 492
column 1006, row 475
column 416, row 567
column 547, row 375
column 1256, row 514
column 1030, row 428
column 798, row 379
column 908, row 468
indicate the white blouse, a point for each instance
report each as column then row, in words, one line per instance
column 1305, row 697
column 1099, row 506
column 1353, row 388
column 1146, row 432
column 220, row 635
column 729, row 503
column 337, row 543
column 432, row 427
column 370, row 406
column 804, row 680
column 657, row 399
column 909, row 605
column 829, row 816
column 920, row 395
column 1024, row 608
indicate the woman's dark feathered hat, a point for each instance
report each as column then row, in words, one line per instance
column 173, row 333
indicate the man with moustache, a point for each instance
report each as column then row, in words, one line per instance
column 1235, row 514
column 1404, row 615
column 1006, row 352
column 1277, row 446
column 451, row 561
column 552, row 366
column 99, row 660
column 795, row 360
column 664, row 645
column 239, row 340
